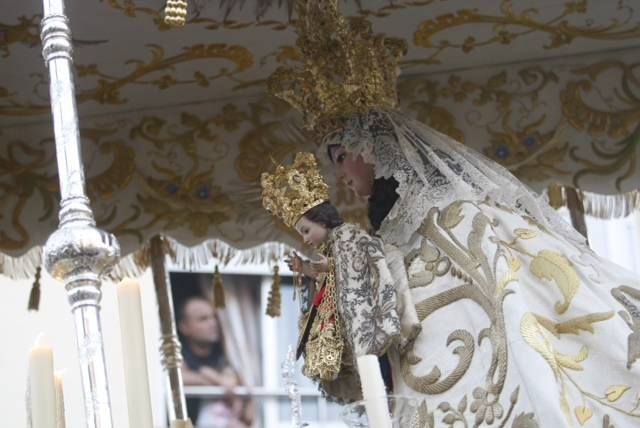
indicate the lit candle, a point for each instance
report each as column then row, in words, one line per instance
column 60, row 420
column 134, row 355
column 373, row 392
column 181, row 423
column 42, row 390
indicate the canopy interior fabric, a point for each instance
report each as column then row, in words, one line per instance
column 177, row 124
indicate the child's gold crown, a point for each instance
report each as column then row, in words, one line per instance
column 291, row 191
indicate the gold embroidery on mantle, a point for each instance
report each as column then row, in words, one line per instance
column 437, row 227
column 537, row 335
column 549, row 265
column 425, row 264
column 537, row 331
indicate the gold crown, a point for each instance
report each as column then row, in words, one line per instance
column 291, row 191
column 347, row 69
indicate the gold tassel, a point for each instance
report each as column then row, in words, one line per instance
column 218, row 290
column 34, row 295
column 175, row 13
column 273, row 304
column 556, row 196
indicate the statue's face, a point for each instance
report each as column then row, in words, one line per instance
column 353, row 171
column 311, row 232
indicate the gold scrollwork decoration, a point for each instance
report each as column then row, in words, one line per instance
column 617, row 117
column 108, row 88
column 26, row 31
column 612, row 122
column 619, row 159
column 267, row 140
column 28, row 169
column 130, row 9
column 513, row 137
column 560, row 31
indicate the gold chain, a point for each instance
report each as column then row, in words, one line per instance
column 323, row 356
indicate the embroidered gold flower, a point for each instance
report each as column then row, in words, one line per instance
column 485, row 406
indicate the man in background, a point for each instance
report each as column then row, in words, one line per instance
column 205, row 363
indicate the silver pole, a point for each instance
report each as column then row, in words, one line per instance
column 170, row 354
column 77, row 253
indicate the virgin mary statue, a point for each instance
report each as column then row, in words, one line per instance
column 508, row 318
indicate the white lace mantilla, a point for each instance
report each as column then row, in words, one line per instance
column 433, row 169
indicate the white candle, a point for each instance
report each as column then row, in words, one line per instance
column 134, row 355
column 373, row 392
column 181, row 423
column 42, row 390
column 60, row 420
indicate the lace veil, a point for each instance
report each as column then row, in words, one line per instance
column 433, row 169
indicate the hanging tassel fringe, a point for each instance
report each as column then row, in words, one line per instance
column 134, row 264
column 23, row 266
column 34, row 295
column 218, row 290
column 611, row 206
column 273, row 304
column 597, row 205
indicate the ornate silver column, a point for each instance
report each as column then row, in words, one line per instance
column 77, row 253
column 169, row 343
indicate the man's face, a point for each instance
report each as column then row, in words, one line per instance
column 353, row 171
column 199, row 324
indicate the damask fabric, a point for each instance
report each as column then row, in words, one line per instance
column 520, row 327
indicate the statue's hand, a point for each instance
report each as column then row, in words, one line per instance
column 304, row 267
column 319, row 266
column 295, row 263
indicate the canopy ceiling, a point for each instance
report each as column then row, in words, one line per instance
column 177, row 125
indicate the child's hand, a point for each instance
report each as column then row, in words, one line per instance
column 320, row 266
column 295, row 263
